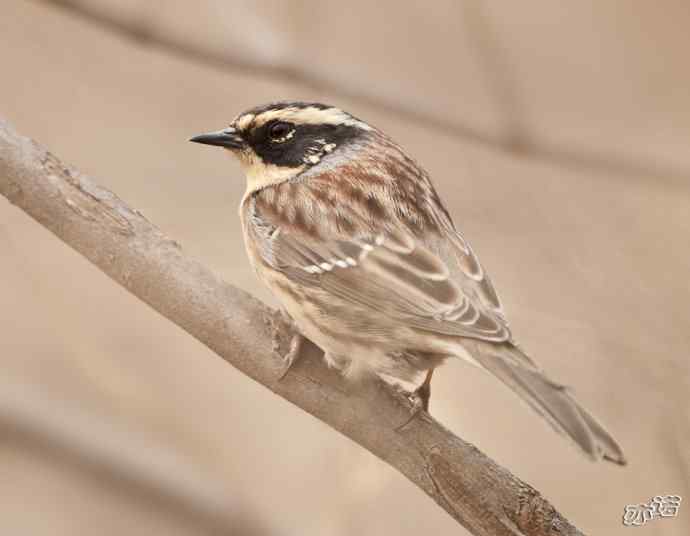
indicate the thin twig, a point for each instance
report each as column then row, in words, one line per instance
column 482, row 496
column 515, row 139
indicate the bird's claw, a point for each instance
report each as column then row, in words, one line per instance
column 292, row 354
column 415, row 408
column 285, row 323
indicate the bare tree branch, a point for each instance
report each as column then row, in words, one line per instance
column 482, row 496
column 139, row 469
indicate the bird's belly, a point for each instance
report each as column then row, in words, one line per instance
column 354, row 339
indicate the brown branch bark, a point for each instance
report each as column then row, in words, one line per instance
column 482, row 496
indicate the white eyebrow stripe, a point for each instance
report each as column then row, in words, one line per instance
column 308, row 116
column 244, row 121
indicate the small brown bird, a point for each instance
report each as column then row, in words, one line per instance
column 350, row 235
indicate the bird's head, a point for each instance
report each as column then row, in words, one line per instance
column 279, row 141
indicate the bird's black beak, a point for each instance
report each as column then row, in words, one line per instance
column 228, row 138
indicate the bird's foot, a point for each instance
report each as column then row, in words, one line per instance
column 419, row 399
column 291, row 357
column 283, row 324
column 423, row 392
column 417, row 405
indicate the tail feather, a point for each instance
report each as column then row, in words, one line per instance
column 550, row 400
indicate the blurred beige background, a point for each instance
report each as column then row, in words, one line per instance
column 557, row 133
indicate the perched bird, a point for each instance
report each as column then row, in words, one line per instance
column 350, row 235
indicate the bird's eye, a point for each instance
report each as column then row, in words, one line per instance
column 280, row 131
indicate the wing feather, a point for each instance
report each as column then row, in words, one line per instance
column 392, row 272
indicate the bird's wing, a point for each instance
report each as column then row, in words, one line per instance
column 432, row 285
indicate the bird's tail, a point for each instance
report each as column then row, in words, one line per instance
column 551, row 400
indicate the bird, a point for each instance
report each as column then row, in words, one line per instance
column 350, row 235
